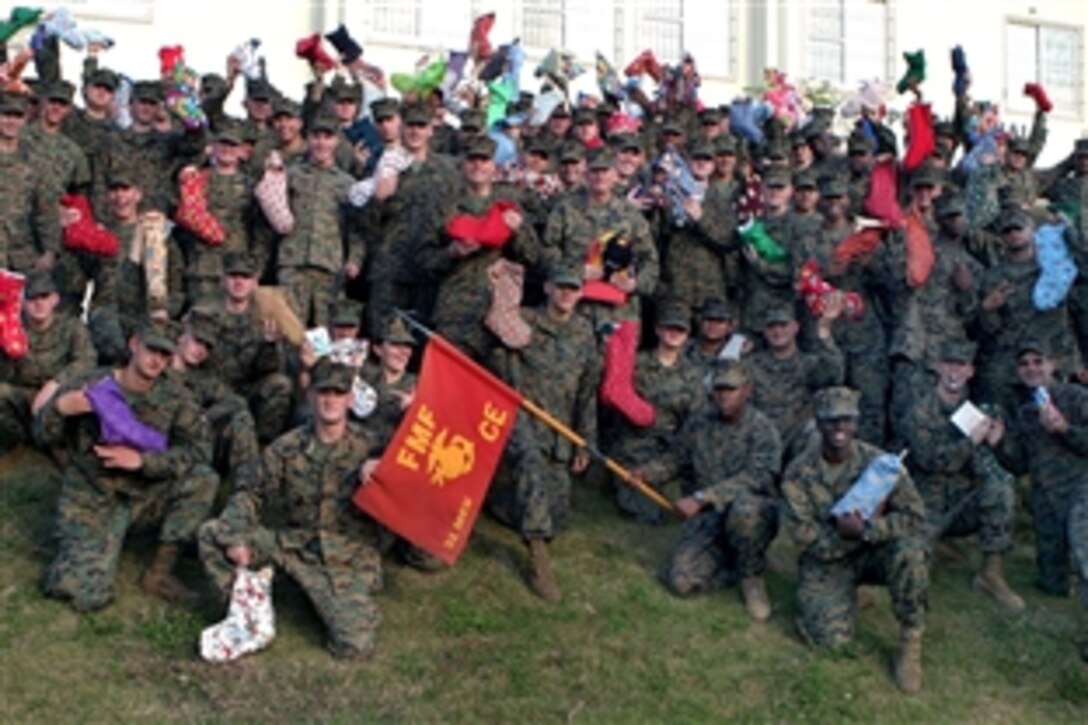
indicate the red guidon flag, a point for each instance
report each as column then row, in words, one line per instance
column 433, row 477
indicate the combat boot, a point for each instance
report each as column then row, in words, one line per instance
column 908, row 663
column 541, row 579
column 159, row 578
column 755, row 598
column 991, row 582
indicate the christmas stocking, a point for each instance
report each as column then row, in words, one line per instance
column 859, row 244
column 916, row 72
column 85, row 234
column 271, row 193
column 154, row 251
column 192, row 212
column 1038, row 94
column 310, row 50
column 488, row 230
column 479, row 42
column 1056, row 266
column 882, row 201
column 919, row 248
column 817, row 292
column 753, row 234
column 250, row 625
column 13, row 340
column 20, row 17
column 118, row 424
column 504, row 316
column 963, row 74
column 618, row 383
column 170, row 56
column 922, row 139
column 349, row 50
column 646, row 62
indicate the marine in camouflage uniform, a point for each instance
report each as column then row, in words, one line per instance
column 734, row 454
column 1008, row 314
column 58, row 349
column 390, row 378
column 106, row 489
column 558, row 370
column 29, row 224
column 322, row 243
column 92, row 128
column 667, row 380
column 716, row 325
column 1050, row 443
column 587, row 216
column 964, row 488
column 249, row 357
column 235, row 452
column 460, row 268
column 301, row 519
column 786, row 378
column 838, row 555
column 64, row 162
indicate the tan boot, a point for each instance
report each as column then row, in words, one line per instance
column 991, row 582
column 755, row 598
column 908, row 663
column 159, row 578
column 541, row 579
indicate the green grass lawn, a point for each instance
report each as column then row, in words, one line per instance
column 472, row 644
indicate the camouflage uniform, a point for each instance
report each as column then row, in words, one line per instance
column 733, row 466
column 58, row 352
column 98, row 505
column 1058, row 466
column 254, row 369
column 892, row 551
column 676, row 393
column 693, row 261
column 29, row 221
column 301, row 518
column 770, row 284
column 97, row 137
column 63, row 162
column 321, row 241
column 964, row 489
column 559, row 371
column 388, row 413
column 573, row 226
column 155, row 157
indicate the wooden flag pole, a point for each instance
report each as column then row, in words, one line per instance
column 559, row 427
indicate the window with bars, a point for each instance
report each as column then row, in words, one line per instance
column 674, row 27
column 661, row 27
column 1051, row 55
column 544, row 23
column 845, row 40
column 429, row 23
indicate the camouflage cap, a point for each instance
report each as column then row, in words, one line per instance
column 1032, row 344
column 538, row 144
column 329, row 375
column 858, row 143
column 212, row 84
column 725, row 143
column 324, row 122
column 345, row 313
column 960, row 351
column 778, row 315
column 286, row 107
column 150, row 91
column 572, row 151
column 674, row 315
column 258, row 89
column 1013, row 218
column 710, row 117
column 39, row 284
column 715, row 308
column 560, row 111
column 384, row 108
column 397, row 333
column 805, row 179
column 926, row 175
column 473, row 120
column 105, row 78
column 347, row 92
column 13, row 103
column 777, row 177
column 416, row 115
column 625, row 142
column 59, row 90
column 602, row 158
column 776, row 151
column 732, row 374
column 672, row 126
column 230, row 133
column 121, row 174
column 204, row 325
column 480, row 147
column 949, row 204
column 584, row 116
column 701, row 149
column 567, row 274
column 836, row 402
column 161, row 335
column 833, row 186
column 1018, row 144
column 240, row 263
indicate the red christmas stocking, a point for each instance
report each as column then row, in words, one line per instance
column 1038, row 94
column 488, row 229
column 504, row 316
column 883, row 199
column 919, row 248
column 192, row 213
column 922, row 137
column 85, row 234
column 618, row 384
column 647, row 63
column 310, row 50
column 13, row 340
column 858, row 244
column 478, row 41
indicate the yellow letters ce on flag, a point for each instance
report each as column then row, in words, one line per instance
column 434, row 476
